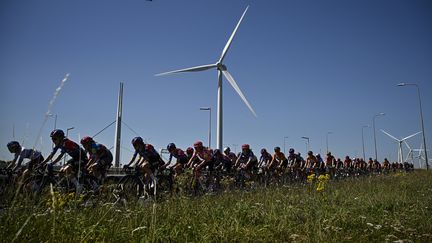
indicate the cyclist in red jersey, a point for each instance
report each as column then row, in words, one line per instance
column 201, row 158
column 78, row 156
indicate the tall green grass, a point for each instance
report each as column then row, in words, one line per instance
column 381, row 208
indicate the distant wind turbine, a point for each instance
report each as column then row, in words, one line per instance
column 400, row 141
column 222, row 70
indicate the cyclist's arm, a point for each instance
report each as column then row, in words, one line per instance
column 58, row 158
column 191, row 160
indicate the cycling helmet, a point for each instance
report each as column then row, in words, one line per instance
column 137, row 140
column 87, row 140
column 227, row 150
column 263, row 151
column 277, row 149
column 57, row 133
column 13, row 145
column 189, row 150
column 245, row 146
column 310, row 153
column 291, row 150
column 171, row 146
column 198, row 144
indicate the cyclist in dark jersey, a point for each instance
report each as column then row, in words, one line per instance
column 179, row 155
column 246, row 159
column 149, row 161
column 100, row 158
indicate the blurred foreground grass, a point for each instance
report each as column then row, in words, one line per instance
column 397, row 207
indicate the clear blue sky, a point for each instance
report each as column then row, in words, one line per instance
column 307, row 67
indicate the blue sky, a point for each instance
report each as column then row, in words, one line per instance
column 307, row 68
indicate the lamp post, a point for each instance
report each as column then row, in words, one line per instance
column 285, row 143
column 209, row 137
column 307, row 143
column 421, row 118
column 364, row 156
column 373, row 121
column 327, row 140
column 67, row 133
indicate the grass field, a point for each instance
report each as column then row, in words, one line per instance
column 397, row 207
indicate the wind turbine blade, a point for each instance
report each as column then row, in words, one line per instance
column 390, row 135
column 237, row 89
column 191, row 69
column 228, row 44
column 409, row 148
column 410, row 136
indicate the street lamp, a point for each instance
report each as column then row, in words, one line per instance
column 373, row 121
column 67, row 133
column 307, row 143
column 421, row 118
column 208, row 109
column 327, row 140
column 284, row 143
column 364, row 156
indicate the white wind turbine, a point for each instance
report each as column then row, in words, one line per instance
column 400, row 141
column 222, row 70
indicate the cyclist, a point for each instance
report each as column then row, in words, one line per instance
column 100, row 158
column 370, row 165
column 149, row 161
column 319, row 165
column 228, row 153
column 181, row 157
column 78, row 156
column 246, row 160
column 386, row 165
column 221, row 162
column 201, row 158
column 377, row 166
column 311, row 161
column 278, row 160
column 347, row 162
column 20, row 154
column 189, row 152
column 265, row 158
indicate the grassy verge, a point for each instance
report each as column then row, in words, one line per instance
column 383, row 208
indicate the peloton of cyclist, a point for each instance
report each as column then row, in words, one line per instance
column 78, row 156
column 100, row 158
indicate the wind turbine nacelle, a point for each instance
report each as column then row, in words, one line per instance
column 221, row 67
